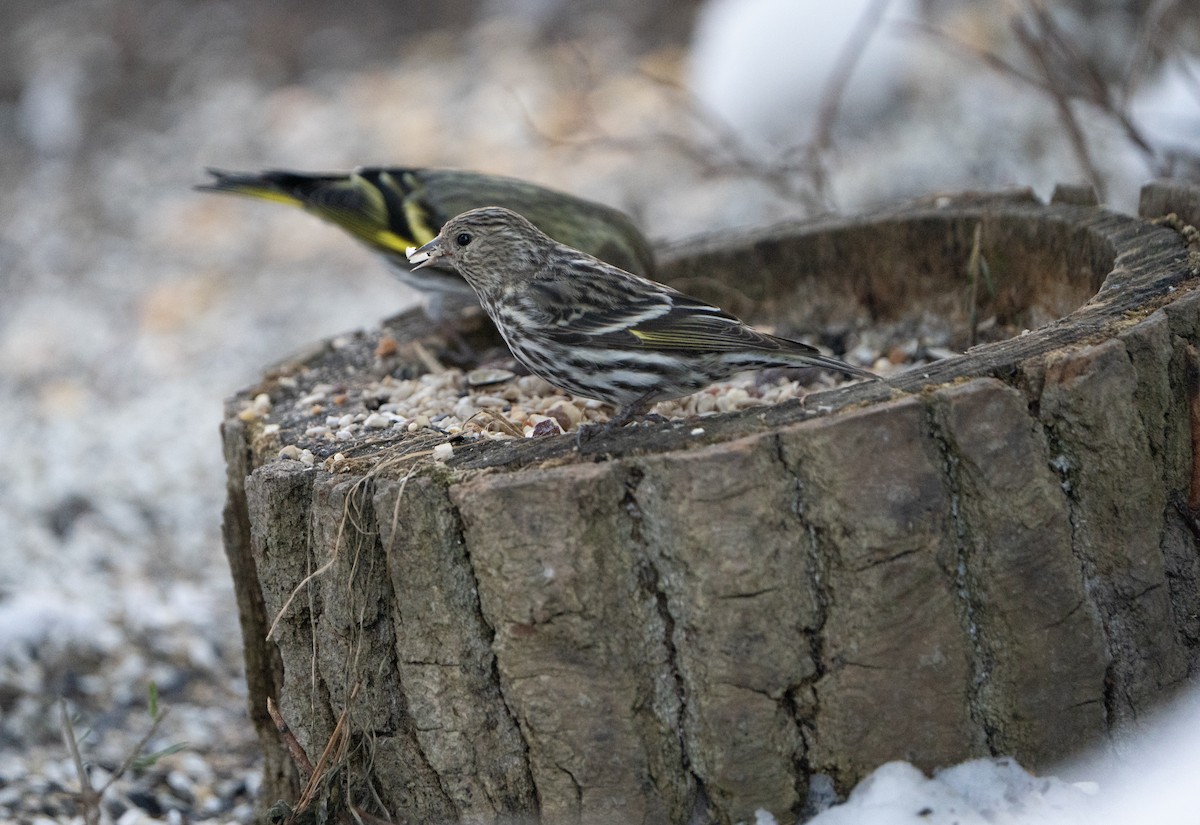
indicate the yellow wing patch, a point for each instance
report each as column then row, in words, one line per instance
column 388, row 239
column 418, row 221
column 267, row 195
column 671, row 338
column 416, row 216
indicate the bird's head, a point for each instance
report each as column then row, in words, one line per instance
column 489, row 247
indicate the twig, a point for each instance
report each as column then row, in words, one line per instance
column 989, row 58
column 1037, row 48
column 137, row 749
column 299, row 587
column 348, row 517
column 1146, row 46
column 88, row 798
column 294, row 748
column 835, row 90
column 500, row 420
column 426, row 358
column 727, row 156
column 973, row 274
column 312, row 781
column 334, row 748
column 1064, row 74
column 369, row 819
column 1088, row 83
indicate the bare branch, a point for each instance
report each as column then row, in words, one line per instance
column 989, row 58
column 835, row 91
column 294, row 748
column 1038, row 49
column 89, row 799
column 1154, row 39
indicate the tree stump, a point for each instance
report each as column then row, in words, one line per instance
column 996, row 554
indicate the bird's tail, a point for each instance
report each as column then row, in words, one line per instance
column 830, row 363
column 797, row 355
column 355, row 202
column 291, row 188
column 776, row 351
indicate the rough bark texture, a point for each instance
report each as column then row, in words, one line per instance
column 995, row 555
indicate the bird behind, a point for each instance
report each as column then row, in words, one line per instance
column 598, row 331
column 390, row 209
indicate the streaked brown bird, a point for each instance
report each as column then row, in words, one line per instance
column 596, row 330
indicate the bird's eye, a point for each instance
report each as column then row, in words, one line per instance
column 462, row 239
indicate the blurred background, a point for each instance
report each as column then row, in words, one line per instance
column 130, row 305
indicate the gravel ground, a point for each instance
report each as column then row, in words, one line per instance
column 131, row 305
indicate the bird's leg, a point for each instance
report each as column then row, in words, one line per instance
column 626, row 414
column 630, row 411
column 623, row 416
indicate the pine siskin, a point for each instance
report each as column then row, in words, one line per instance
column 390, row 209
column 595, row 330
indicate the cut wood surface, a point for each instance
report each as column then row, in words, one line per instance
column 994, row 554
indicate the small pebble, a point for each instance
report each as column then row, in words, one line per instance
column 386, row 347
column 443, row 452
column 182, row 785
column 375, row 421
column 567, row 410
column 484, row 376
column 258, row 408
column 542, row 426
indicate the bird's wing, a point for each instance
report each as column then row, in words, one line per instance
column 628, row 313
column 693, row 325
column 593, row 300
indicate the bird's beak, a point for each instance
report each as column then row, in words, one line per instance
column 427, row 255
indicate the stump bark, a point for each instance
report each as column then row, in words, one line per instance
column 996, row 554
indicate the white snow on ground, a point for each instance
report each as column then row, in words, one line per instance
column 1151, row 780
column 979, row 792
